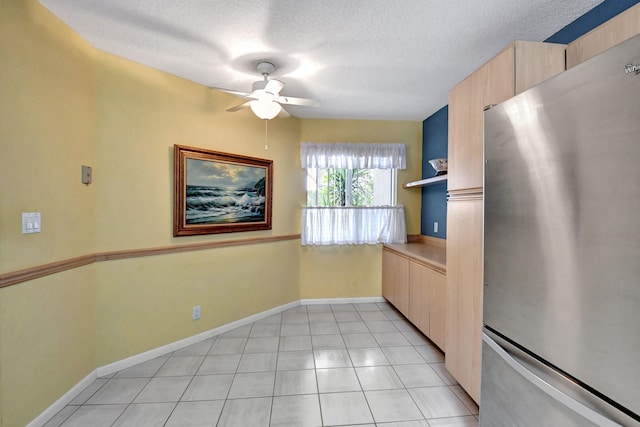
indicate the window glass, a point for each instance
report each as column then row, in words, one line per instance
column 351, row 187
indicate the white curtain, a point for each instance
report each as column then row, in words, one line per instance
column 353, row 225
column 353, row 155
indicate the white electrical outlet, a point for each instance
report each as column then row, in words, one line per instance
column 196, row 313
column 435, row 227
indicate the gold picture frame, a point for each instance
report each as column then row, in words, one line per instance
column 220, row 192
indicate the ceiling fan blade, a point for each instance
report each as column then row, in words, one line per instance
column 283, row 113
column 274, row 86
column 238, row 107
column 297, row 101
column 236, row 93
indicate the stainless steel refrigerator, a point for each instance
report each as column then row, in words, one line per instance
column 561, row 337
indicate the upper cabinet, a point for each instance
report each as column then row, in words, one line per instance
column 616, row 30
column 517, row 68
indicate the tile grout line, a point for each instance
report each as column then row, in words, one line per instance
column 190, row 381
column 130, row 403
column 275, row 374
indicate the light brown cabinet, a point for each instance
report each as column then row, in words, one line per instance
column 616, row 30
column 517, row 68
column 427, row 301
column 422, row 287
column 395, row 280
column 464, row 292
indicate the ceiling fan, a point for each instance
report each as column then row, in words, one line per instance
column 265, row 100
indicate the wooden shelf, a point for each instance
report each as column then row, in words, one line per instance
column 425, row 182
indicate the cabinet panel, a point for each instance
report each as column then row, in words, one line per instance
column 388, row 265
column 402, row 286
column 536, row 62
column 517, row 68
column 395, row 280
column 614, row 31
column 420, row 297
column 464, row 292
column 437, row 308
column 498, row 85
column 465, row 137
column 490, row 84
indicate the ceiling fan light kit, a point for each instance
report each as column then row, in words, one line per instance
column 265, row 100
column 265, row 109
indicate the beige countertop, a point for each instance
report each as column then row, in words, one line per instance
column 431, row 254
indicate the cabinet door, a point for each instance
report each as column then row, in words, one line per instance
column 614, row 31
column 499, row 85
column 490, row 84
column 419, row 303
column 437, row 308
column 402, row 285
column 464, row 292
column 388, row 264
column 536, row 62
column 514, row 70
column 465, row 135
column 395, row 280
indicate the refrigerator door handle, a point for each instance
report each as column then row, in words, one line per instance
column 547, row 388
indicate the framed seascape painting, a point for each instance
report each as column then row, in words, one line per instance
column 220, row 192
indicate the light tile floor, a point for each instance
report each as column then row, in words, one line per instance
column 316, row 365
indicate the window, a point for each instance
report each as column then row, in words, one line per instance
column 351, row 187
column 351, row 196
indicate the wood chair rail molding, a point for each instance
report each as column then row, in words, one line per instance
column 27, row 274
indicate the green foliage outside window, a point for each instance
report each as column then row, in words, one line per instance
column 342, row 187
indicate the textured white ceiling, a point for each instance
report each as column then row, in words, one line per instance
column 362, row 59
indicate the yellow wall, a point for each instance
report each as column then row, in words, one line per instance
column 134, row 209
column 47, row 333
column 144, row 303
column 65, row 104
column 47, row 131
column 143, row 113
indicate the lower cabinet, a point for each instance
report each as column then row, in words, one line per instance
column 395, row 280
column 418, row 291
column 464, row 291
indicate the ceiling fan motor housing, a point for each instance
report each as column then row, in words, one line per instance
column 265, row 68
column 259, row 85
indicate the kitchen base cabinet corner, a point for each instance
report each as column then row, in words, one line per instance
column 418, row 290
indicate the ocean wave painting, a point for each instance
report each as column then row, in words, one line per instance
column 218, row 192
column 224, row 193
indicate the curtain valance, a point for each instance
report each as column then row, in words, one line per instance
column 353, row 155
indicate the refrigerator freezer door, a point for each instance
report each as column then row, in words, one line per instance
column 562, row 223
column 519, row 391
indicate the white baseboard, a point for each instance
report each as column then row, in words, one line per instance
column 362, row 300
column 67, row 398
column 119, row 365
column 177, row 345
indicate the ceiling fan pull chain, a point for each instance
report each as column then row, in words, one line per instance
column 266, row 143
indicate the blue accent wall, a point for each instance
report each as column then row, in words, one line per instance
column 435, row 131
column 435, row 143
column 590, row 20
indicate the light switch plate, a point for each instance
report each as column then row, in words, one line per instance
column 31, row 222
column 86, row 174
